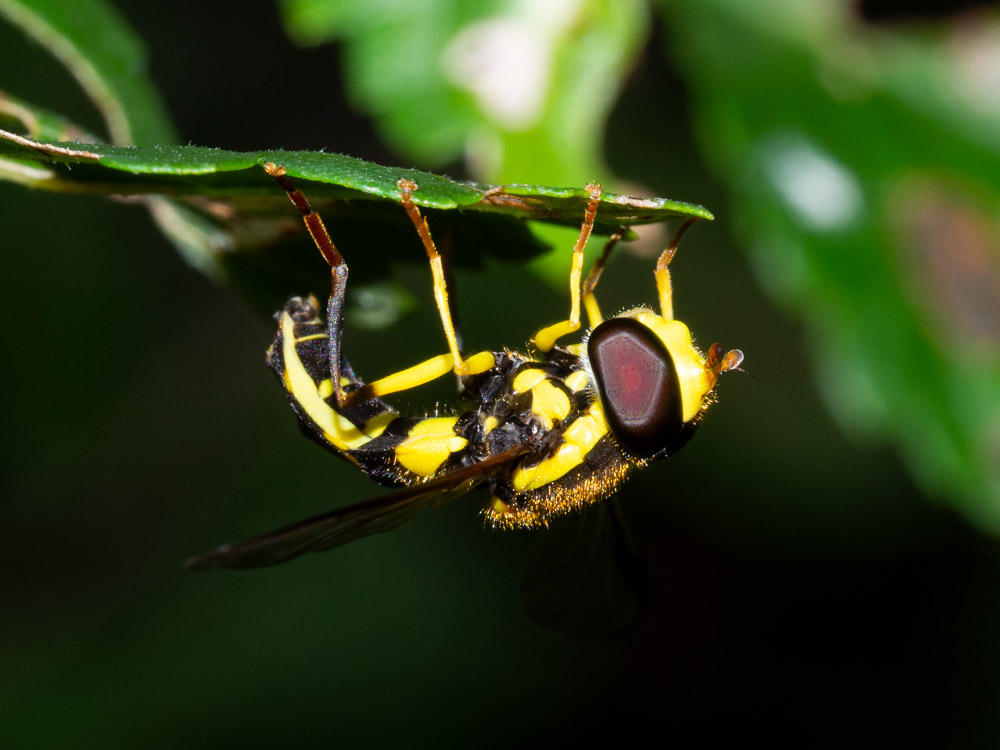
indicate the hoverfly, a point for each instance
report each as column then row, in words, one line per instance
column 547, row 433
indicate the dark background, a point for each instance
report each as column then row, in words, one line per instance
column 802, row 590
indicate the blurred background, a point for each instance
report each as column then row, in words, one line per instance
column 823, row 561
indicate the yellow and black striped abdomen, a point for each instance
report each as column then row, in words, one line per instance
column 300, row 357
column 392, row 449
column 575, row 462
column 547, row 407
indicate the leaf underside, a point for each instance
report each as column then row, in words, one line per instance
column 186, row 171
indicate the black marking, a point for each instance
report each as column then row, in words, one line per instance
column 314, row 353
column 487, row 395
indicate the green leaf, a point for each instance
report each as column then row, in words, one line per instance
column 525, row 86
column 865, row 167
column 586, row 53
column 520, row 91
column 197, row 171
column 98, row 47
column 108, row 59
column 102, row 52
column 229, row 211
column 39, row 124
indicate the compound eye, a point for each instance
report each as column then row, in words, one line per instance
column 638, row 384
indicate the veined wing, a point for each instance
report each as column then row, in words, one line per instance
column 584, row 577
column 344, row 525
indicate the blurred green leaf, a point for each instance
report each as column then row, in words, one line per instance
column 519, row 90
column 102, row 52
column 865, row 167
column 98, row 47
column 39, row 124
column 92, row 40
column 526, row 86
column 573, row 57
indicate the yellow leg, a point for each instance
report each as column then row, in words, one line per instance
column 589, row 300
column 419, row 374
column 663, row 285
column 403, row 380
column 460, row 366
column 546, row 338
column 425, row 372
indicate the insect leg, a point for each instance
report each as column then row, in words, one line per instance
column 478, row 363
column 338, row 273
column 589, row 300
column 425, row 372
column 663, row 285
column 715, row 361
column 546, row 338
column 447, row 254
column 403, row 380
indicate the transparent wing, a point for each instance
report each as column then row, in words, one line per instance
column 583, row 577
column 344, row 525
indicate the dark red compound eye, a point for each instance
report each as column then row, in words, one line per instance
column 639, row 388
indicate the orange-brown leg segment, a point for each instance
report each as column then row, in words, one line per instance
column 338, row 273
column 546, row 338
column 411, row 377
column 479, row 362
column 715, row 360
column 663, row 284
column 589, row 300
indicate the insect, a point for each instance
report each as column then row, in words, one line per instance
column 546, row 433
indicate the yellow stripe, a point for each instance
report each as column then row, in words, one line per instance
column 325, row 388
column 548, row 402
column 578, row 440
column 528, row 379
column 377, row 424
column 339, row 431
column 429, row 444
column 311, row 337
column 577, row 381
